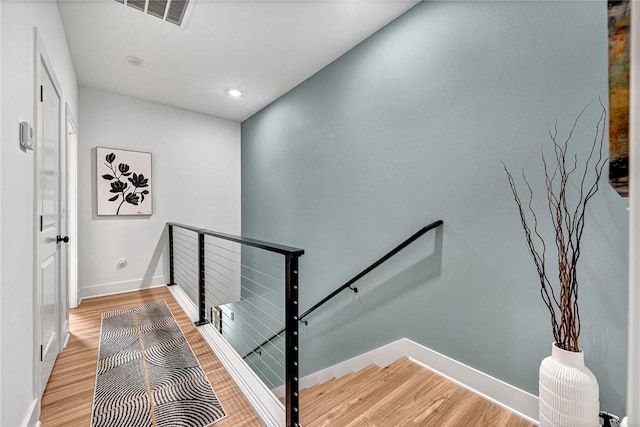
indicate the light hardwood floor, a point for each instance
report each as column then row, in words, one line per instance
column 401, row 394
column 68, row 398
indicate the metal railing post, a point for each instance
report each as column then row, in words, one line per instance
column 292, row 398
column 172, row 281
column 202, row 310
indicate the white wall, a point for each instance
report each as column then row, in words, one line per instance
column 17, row 180
column 0, row 211
column 196, row 180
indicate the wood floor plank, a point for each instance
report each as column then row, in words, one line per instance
column 68, row 398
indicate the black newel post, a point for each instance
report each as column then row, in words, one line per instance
column 172, row 281
column 202, row 314
column 292, row 398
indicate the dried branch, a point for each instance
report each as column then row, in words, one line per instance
column 567, row 212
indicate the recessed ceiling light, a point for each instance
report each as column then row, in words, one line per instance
column 235, row 93
column 134, row 61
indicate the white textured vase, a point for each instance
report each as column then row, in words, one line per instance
column 569, row 395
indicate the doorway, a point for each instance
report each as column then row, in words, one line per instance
column 49, row 227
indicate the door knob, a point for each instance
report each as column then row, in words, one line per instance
column 62, row 239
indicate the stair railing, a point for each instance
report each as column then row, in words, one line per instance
column 201, row 256
column 349, row 284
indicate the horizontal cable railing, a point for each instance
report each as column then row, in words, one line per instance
column 249, row 289
column 349, row 284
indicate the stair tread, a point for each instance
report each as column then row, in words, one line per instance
column 314, row 387
column 309, row 391
column 355, row 403
column 429, row 399
column 328, row 386
column 336, row 383
column 353, row 377
column 408, row 394
column 407, row 405
column 335, row 392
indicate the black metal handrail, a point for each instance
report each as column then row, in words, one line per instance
column 267, row 246
column 292, row 256
column 354, row 279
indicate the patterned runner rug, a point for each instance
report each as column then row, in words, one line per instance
column 147, row 374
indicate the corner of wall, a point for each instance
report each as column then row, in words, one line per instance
column 1, row 281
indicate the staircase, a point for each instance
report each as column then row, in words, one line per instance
column 401, row 394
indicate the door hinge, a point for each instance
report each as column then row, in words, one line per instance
column 41, row 352
column 41, row 93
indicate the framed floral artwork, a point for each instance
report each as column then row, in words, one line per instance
column 123, row 182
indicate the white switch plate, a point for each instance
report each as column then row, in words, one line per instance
column 26, row 136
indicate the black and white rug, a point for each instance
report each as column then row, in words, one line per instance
column 147, row 374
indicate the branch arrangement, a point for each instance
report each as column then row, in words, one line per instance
column 567, row 203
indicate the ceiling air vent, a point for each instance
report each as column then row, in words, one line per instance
column 173, row 11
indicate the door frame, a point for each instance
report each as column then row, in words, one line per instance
column 41, row 59
column 71, row 128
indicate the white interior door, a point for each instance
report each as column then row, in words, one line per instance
column 48, row 227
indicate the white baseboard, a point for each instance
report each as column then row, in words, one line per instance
column 119, row 287
column 507, row 396
column 265, row 403
column 65, row 335
column 32, row 419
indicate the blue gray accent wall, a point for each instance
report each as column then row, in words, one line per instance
column 409, row 127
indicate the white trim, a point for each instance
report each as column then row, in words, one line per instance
column 507, row 396
column 1, row 385
column 265, row 403
column 120, row 287
column 33, row 414
column 513, row 399
column 1, row 382
column 65, row 334
column 71, row 128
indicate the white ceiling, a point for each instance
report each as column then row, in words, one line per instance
column 264, row 48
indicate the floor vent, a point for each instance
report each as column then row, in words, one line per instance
column 173, row 11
